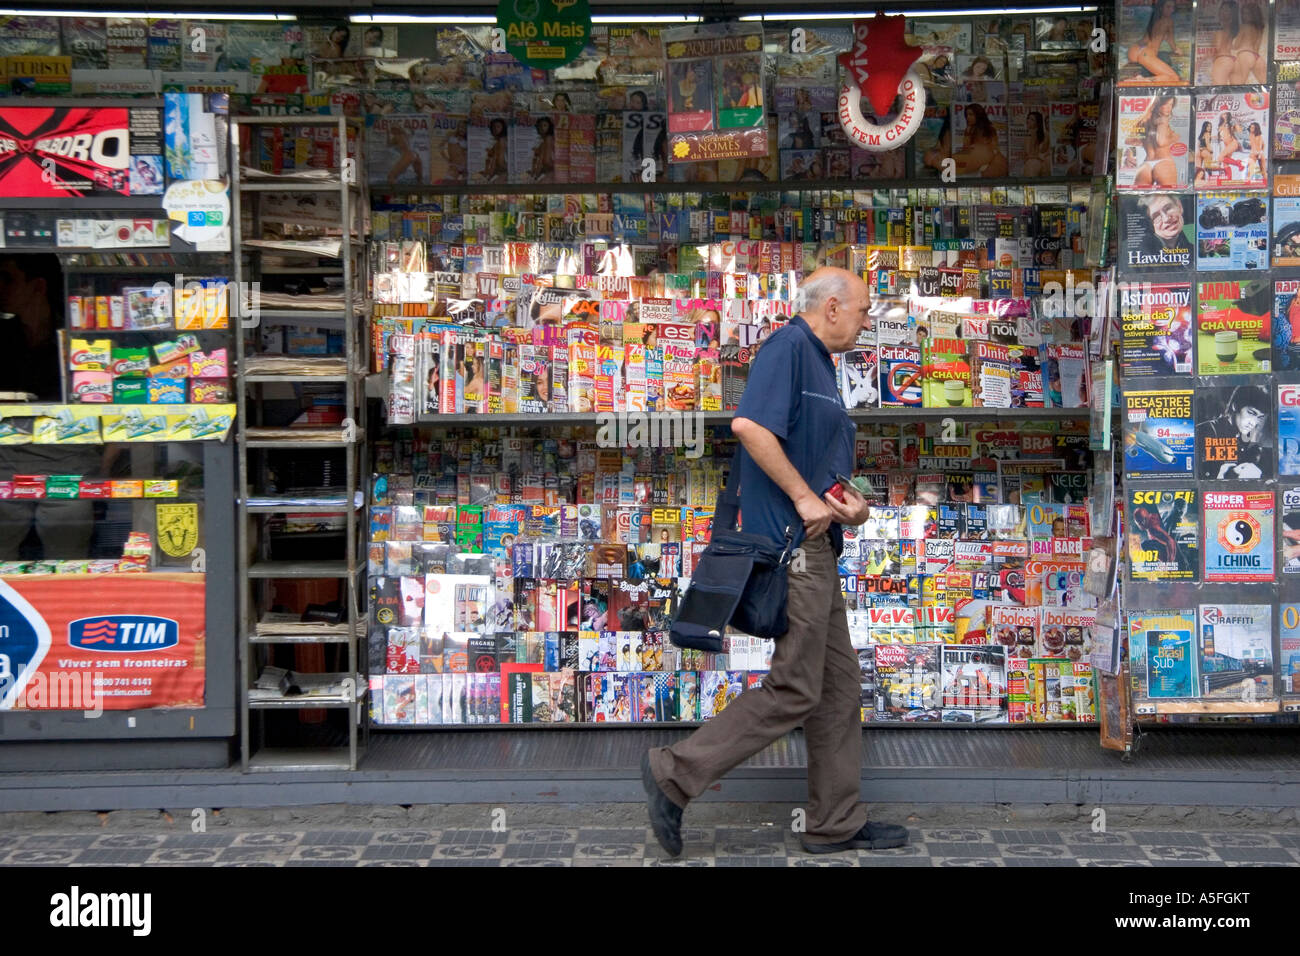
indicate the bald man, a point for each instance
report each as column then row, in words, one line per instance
column 795, row 437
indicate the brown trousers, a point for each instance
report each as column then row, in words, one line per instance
column 814, row 682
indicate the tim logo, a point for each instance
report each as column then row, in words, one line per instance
column 125, row 633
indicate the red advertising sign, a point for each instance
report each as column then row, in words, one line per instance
column 46, row 152
column 95, row 642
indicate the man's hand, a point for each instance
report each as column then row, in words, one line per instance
column 815, row 514
column 852, row 510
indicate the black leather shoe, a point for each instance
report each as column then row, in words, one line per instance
column 873, row 836
column 665, row 816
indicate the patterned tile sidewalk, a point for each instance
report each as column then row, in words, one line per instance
column 544, row 845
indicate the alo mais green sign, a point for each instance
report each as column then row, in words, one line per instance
column 545, row 33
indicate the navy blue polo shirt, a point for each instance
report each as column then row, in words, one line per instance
column 793, row 393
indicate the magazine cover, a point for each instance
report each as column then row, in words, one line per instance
column 1030, row 142
column 1231, row 232
column 936, row 36
column 1162, row 650
column 398, row 147
column 1155, row 40
column 1154, row 132
column 1159, row 434
column 946, row 373
column 1232, row 327
column 973, row 682
column 980, row 136
column 1231, row 148
column 645, row 136
column 992, row 373
column 1286, row 324
column 1066, row 632
column 801, row 164
column 1236, row 651
column 1286, row 31
column 1232, row 43
column 933, row 141
column 85, row 39
column 900, row 376
column 1066, row 376
column 1291, row 531
column 457, row 602
column 1158, row 232
column 1289, row 648
column 1288, row 430
column 1071, row 144
column 1234, row 434
column 859, row 379
column 907, row 682
column 1058, row 32
column 1155, row 328
column 1238, row 536
column 1014, row 627
column 1164, row 535
column 532, row 154
column 690, row 95
column 1286, row 219
column 799, row 130
column 488, row 148
column 1286, row 110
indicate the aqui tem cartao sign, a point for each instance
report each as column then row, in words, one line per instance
column 24, row 642
column 544, row 33
column 880, row 66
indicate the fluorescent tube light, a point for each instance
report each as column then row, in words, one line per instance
column 923, row 14
column 117, row 15
column 400, row 18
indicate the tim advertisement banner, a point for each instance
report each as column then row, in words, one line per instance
column 64, row 151
column 95, row 642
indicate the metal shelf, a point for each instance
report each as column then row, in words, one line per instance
column 563, row 419
column 316, row 437
column 302, row 270
column 305, row 119
column 322, row 445
column 315, row 186
column 90, row 204
column 300, row 758
column 351, row 266
column 818, row 185
column 297, row 509
column 334, row 702
column 169, row 330
column 299, row 638
column 305, row 319
column 263, row 378
column 1147, row 708
column 133, row 269
column 305, row 314
column 299, row 569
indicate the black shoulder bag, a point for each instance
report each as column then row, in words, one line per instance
column 740, row 579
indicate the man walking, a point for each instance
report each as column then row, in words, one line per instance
column 796, row 438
